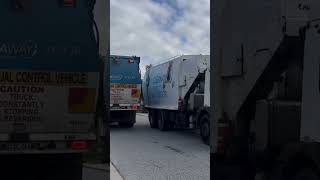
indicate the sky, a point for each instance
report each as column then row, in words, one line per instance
column 157, row 30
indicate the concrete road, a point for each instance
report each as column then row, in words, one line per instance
column 94, row 174
column 142, row 153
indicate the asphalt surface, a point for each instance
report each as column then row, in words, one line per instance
column 94, row 174
column 142, row 153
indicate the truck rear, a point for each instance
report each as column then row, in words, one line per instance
column 49, row 77
column 125, row 89
column 266, row 60
column 176, row 94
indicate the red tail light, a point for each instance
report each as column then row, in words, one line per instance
column 69, row 3
column 221, row 147
column 180, row 104
column 224, row 132
column 79, row 145
column 135, row 107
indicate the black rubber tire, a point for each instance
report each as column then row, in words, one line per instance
column 130, row 119
column 153, row 119
column 297, row 167
column 306, row 174
column 127, row 125
column 162, row 121
column 205, row 128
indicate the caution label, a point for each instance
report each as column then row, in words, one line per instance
column 47, row 101
column 125, row 93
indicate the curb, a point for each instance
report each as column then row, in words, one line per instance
column 114, row 173
column 103, row 167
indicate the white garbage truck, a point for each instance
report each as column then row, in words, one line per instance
column 266, row 95
column 176, row 94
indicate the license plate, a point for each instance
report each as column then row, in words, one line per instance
column 16, row 146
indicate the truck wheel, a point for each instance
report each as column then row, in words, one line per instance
column 153, row 119
column 297, row 166
column 205, row 128
column 306, row 174
column 162, row 124
column 127, row 125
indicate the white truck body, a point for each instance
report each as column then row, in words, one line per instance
column 242, row 55
column 164, row 85
column 266, row 86
column 177, row 94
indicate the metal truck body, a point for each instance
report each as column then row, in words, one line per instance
column 266, row 76
column 176, row 93
column 49, row 80
column 49, row 77
column 125, row 89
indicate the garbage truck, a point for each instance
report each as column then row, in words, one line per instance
column 125, row 89
column 265, row 123
column 49, row 86
column 177, row 94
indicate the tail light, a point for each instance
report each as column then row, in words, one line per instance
column 79, row 145
column 224, row 132
column 180, row 104
column 135, row 107
column 69, row 3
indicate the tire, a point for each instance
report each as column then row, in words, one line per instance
column 228, row 171
column 205, row 128
column 162, row 121
column 306, row 174
column 153, row 119
column 297, row 167
column 127, row 125
column 130, row 119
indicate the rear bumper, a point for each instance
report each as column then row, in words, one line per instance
column 124, row 107
column 45, row 143
column 43, row 147
column 53, row 136
column 123, row 116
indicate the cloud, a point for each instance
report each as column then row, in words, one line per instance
column 156, row 30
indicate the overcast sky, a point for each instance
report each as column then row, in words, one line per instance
column 156, row 30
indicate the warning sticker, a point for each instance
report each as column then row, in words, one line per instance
column 125, row 93
column 47, row 101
